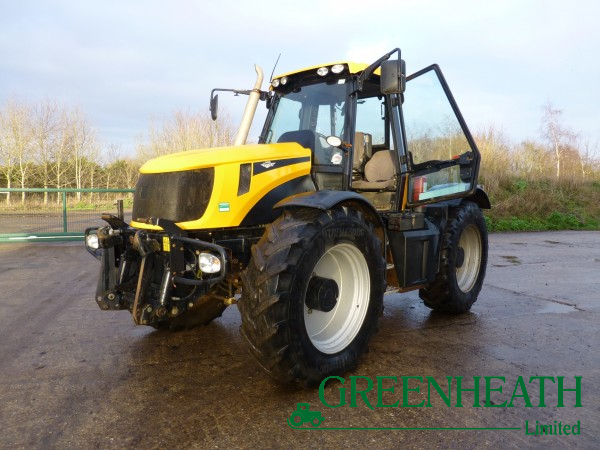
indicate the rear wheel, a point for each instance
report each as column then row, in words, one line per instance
column 463, row 261
column 312, row 294
column 296, row 420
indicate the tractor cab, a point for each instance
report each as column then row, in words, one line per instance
column 367, row 136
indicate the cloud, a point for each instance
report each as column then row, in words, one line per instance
column 124, row 62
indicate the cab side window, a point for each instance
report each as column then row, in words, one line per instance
column 370, row 119
column 438, row 148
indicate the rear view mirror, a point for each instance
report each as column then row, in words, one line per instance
column 214, row 106
column 393, row 76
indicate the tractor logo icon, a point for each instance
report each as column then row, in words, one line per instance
column 302, row 415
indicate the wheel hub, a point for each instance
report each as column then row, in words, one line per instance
column 322, row 294
column 331, row 331
column 468, row 258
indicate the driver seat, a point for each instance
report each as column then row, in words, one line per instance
column 379, row 173
column 306, row 138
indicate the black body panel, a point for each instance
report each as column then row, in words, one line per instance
column 175, row 196
column 264, row 212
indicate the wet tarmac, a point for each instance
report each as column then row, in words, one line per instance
column 72, row 376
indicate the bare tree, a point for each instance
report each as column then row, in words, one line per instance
column 533, row 160
column 46, row 128
column 8, row 156
column 82, row 142
column 496, row 157
column 61, row 154
column 18, row 139
column 559, row 136
column 184, row 131
column 50, row 146
column 587, row 159
column 122, row 173
column 110, row 155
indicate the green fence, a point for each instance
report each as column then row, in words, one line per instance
column 28, row 215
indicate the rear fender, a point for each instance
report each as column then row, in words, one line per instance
column 481, row 198
column 325, row 200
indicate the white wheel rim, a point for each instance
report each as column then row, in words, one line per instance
column 470, row 242
column 331, row 332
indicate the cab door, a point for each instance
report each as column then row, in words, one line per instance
column 442, row 157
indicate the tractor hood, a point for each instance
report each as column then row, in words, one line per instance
column 220, row 187
column 211, row 157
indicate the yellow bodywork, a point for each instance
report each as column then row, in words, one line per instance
column 226, row 208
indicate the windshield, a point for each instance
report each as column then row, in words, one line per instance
column 308, row 115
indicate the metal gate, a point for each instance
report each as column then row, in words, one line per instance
column 30, row 215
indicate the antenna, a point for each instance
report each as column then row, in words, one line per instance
column 274, row 67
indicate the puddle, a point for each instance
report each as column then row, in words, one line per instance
column 556, row 308
column 553, row 242
column 512, row 259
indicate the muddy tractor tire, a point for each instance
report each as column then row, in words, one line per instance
column 312, row 294
column 463, row 259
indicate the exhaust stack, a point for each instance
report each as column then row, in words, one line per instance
column 248, row 116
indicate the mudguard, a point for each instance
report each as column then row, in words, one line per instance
column 480, row 198
column 325, row 200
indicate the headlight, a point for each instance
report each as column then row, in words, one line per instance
column 275, row 82
column 209, row 263
column 91, row 241
column 322, row 71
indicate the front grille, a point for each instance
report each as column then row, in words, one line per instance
column 177, row 196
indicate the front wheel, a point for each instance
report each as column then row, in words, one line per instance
column 312, row 294
column 463, row 260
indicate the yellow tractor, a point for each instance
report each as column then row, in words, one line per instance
column 363, row 181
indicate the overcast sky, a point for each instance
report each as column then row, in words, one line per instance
column 124, row 62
